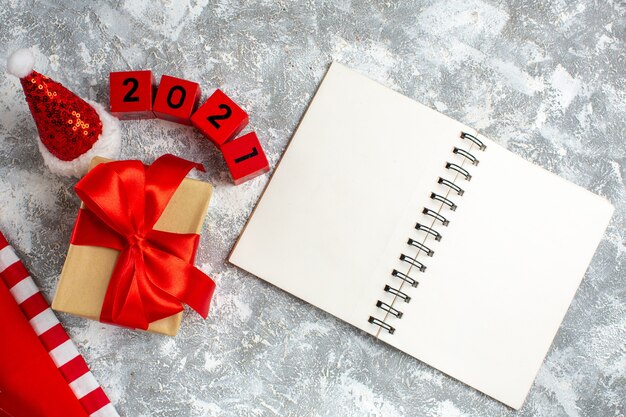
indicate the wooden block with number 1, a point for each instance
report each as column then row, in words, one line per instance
column 245, row 158
column 131, row 94
column 219, row 118
column 176, row 99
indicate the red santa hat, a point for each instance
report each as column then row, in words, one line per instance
column 71, row 130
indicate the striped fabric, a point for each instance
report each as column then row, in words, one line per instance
column 52, row 335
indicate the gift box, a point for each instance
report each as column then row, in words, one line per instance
column 130, row 261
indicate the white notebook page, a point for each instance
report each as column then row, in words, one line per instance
column 503, row 275
column 348, row 180
column 345, row 197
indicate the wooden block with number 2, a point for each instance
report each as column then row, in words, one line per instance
column 131, row 94
column 245, row 158
column 219, row 118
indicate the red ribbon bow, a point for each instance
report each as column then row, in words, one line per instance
column 154, row 273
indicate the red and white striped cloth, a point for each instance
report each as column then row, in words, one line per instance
column 52, row 335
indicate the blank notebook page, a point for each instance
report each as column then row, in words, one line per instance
column 347, row 180
column 503, row 275
column 346, row 196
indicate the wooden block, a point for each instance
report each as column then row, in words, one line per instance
column 219, row 118
column 176, row 99
column 131, row 94
column 245, row 158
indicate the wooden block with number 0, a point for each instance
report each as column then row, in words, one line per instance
column 219, row 118
column 176, row 99
column 245, row 158
column 131, row 94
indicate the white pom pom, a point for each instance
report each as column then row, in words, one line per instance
column 21, row 63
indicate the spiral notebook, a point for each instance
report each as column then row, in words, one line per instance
column 423, row 233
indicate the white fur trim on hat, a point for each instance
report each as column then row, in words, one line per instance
column 108, row 146
column 21, row 63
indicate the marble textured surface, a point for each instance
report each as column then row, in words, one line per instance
column 545, row 79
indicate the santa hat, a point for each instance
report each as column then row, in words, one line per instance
column 71, row 130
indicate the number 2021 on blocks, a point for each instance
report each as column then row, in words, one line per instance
column 134, row 95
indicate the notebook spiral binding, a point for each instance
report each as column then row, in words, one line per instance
column 413, row 262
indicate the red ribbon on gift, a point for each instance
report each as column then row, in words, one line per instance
column 154, row 273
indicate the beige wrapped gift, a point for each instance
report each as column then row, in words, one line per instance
column 87, row 269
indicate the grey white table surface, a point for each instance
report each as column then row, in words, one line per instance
column 545, row 79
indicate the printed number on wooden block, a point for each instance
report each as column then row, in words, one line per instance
column 176, row 99
column 245, row 158
column 131, row 94
column 219, row 118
